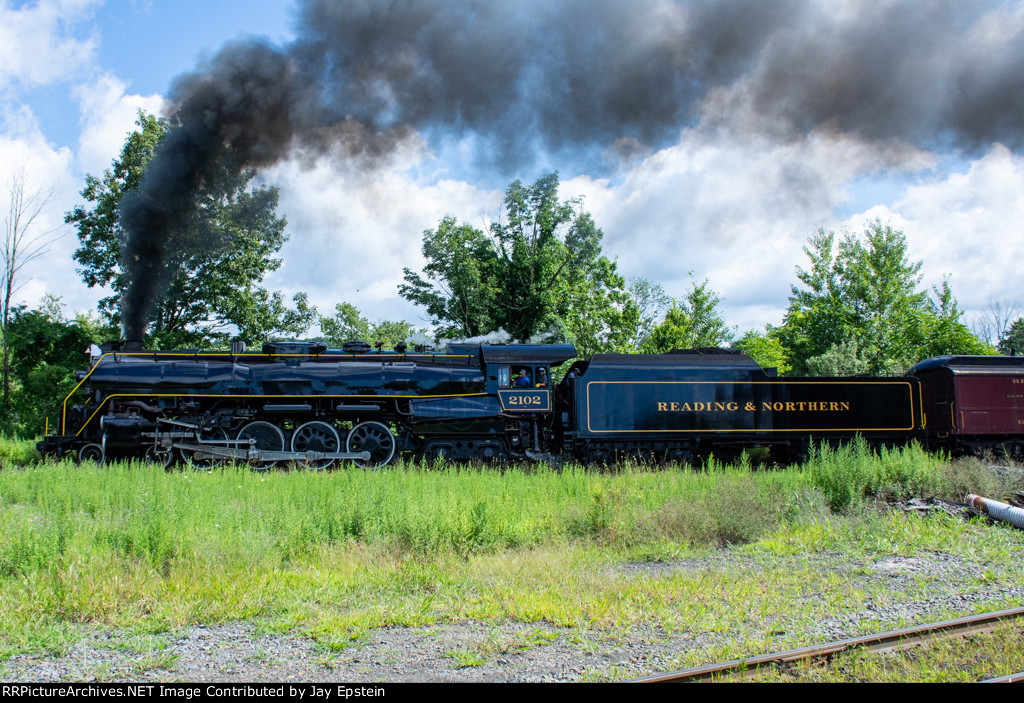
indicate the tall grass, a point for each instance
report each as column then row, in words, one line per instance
column 52, row 512
column 134, row 511
column 854, row 471
column 336, row 553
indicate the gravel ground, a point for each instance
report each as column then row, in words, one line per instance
column 479, row 652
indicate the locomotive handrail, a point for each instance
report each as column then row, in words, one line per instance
column 64, row 405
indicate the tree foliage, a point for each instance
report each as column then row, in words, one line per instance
column 650, row 302
column 538, row 270
column 863, row 291
column 47, row 350
column 766, row 349
column 347, row 324
column 216, row 264
column 1013, row 341
column 457, row 286
column 839, row 360
column 692, row 322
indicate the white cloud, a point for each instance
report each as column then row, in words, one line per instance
column 737, row 212
column 46, row 169
column 965, row 224
column 40, row 44
column 353, row 232
column 107, row 116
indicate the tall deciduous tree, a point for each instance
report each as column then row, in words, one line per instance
column 693, row 322
column 458, row 283
column 862, row 295
column 217, row 262
column 539, row 269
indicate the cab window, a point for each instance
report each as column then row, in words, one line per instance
column 522, row 377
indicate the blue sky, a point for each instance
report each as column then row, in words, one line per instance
column 709, row 193
column 146, row 44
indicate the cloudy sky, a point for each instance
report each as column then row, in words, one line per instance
column 711, row 137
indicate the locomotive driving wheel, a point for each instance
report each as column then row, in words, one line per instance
column 316, row 436
column 91, row 452
column 159, row 456
column 269, row 438
column 375, row 438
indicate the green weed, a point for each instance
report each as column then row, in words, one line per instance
column 854, row 471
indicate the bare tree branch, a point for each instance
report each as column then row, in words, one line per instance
column 994, row 323
column 21, row 245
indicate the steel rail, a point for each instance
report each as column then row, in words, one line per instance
column 891, row 641
column 1009, row 678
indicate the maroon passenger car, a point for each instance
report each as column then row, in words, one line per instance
column 973, row 404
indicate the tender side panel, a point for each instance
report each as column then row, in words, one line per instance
column 820, row 406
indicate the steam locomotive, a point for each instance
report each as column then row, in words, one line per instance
column 299, row 402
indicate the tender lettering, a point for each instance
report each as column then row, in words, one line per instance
column 805, row 406
column 699, row 407
column 801, row 406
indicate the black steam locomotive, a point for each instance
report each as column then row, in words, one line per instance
column 304, row 403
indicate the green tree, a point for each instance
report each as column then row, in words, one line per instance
column 457, row 284
column 692, row 322
column 940, row 330
column 842, row 359
column 218, row 262
column 589, row 300
column 347, row 324
column 818, row 317
column 649, row 303
column 1013, row 341
column 766, row 349
column 47, row 349
column 538, row 270
column 882, row 292
column 865, row 292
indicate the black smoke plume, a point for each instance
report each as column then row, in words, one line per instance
column 573, row 77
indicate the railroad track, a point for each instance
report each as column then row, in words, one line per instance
column 894, row 640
